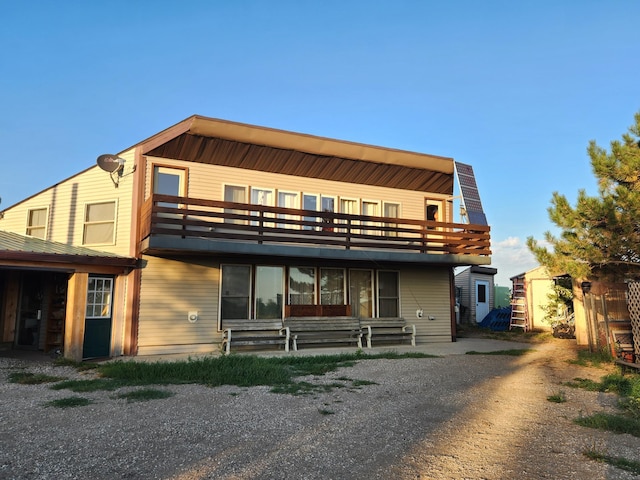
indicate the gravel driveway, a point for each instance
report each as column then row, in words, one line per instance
column 452, row 417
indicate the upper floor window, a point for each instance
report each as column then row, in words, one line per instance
column 37, row 222
column 99, row 223
column 168, row 181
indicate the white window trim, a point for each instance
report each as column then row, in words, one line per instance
column 46, row 223
column 115, row 221
column 296, row 206
column 235, row 185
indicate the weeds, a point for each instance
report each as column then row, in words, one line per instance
column 612, row 423
column 512, row 352
column 26, row 378
column 145, row 394
column 618, row 462
column 69, row 402
column 592, row 359
column 557, row 397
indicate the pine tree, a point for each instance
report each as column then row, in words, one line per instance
column 600, row 236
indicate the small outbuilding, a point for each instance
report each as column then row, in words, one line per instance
column 475, row 293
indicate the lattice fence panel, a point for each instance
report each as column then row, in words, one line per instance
column 634, row 313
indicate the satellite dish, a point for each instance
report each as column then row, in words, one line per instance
column 110, row 163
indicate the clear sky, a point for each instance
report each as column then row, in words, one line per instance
column 515, row 88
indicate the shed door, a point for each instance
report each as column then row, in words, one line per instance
column 482, row 299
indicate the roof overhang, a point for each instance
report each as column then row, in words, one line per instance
column 221, row 142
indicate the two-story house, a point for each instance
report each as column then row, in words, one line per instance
column 209, row 221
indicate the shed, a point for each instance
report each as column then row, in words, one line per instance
column 475, row 293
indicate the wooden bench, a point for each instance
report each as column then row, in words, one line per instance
column 387, row 330
column 624, row 365
column 323, row 330
column 254, row 333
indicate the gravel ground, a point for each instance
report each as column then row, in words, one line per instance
column 454, row 417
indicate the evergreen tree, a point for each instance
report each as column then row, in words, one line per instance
column 600, row 236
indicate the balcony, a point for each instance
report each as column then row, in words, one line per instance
column 187, row 225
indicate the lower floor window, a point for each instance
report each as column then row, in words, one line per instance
column 260, row 291
column 235, row 292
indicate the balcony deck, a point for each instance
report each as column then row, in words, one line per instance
column 189, row 225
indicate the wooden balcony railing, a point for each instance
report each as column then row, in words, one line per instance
column 210, row 219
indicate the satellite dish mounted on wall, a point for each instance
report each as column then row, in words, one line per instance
column 112, row 164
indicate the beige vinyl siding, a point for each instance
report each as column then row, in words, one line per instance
column 67, row 201
column 463, row 280
column 170, row 289
column 207, row 181
column 427, row 289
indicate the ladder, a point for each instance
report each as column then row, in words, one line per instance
column 519, row 317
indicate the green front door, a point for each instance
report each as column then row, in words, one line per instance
column 97, row 325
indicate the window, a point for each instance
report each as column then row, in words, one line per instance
column 99, row 292
column 370, row 209
column 302, row 286
column 235, row 291
column 309, row 202
column 388, row 297
column 288, row 200
column 37, row 222
column 332, row 291
column 391, row 210
column 361, row 293
column 328, row 205
column 99, row 223
column 269, row 292
column 261, row 196
column 168, row 181
column 236, row 194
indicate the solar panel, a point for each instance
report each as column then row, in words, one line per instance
column 470, row 196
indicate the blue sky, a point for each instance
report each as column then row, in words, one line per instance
column 516, row 89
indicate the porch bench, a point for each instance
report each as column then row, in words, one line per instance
column 624, row 365
column 254, row 333
column 387, row 330
column 323, row 331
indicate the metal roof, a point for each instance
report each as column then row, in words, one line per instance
column 14, row 246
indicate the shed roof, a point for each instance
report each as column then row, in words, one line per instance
column 14, row 246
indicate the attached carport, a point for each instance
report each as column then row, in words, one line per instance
column 64, row 299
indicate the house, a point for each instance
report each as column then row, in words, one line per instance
column 475, row 293
column 155, row 249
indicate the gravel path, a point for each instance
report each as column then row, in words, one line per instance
column 455, row 417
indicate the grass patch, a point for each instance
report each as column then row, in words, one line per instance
column 513, row 352
column 614, row 383
column 618, row 462
column 592, row 359
column 611, row 423
column 27, row 378
column 557, row 397
column 69, row 402
column 80, row 366
column 238, row 370
column 145, row 394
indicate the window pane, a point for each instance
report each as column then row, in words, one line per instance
column 309, row 202
column 388, row 299
column 360, row 289
column 99, row 293
column 269, row 292
column 235, row 308
column 101, row 212
column 236, row 285
column 332, row 286
column 99, row 233
column 302, row 285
